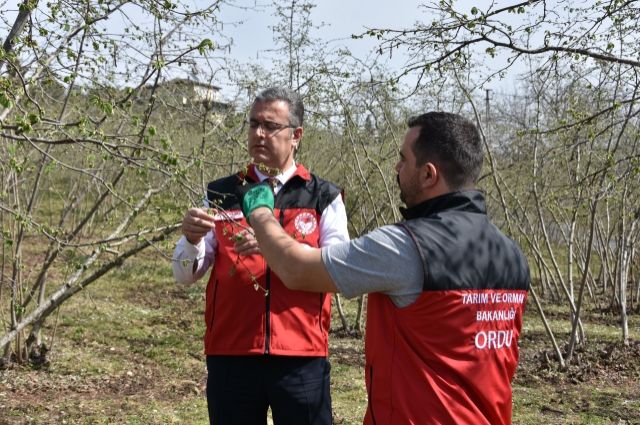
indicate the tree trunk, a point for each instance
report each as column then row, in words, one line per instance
column 547, row 329
column 18, row 27
column 343, row 318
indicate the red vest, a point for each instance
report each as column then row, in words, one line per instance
column 241, row 319
column 449, row 357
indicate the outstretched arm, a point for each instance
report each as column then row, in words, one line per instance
column 298, row 266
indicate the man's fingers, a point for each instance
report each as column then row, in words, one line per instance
column 198, row 218
column 202, row 214
column 251, row 251
column 195, row 230
column 196, row 223
column 246, row 243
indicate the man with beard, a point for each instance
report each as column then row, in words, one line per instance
column 447, row 289
column 266, row 345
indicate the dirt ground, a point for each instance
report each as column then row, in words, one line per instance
column 134, row 356
column 45, row 396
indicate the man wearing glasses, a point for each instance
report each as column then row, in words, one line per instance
column 266, row 345
column 447, row 289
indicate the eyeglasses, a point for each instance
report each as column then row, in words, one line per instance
column 268, row 126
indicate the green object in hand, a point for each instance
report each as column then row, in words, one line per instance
column 255, row 196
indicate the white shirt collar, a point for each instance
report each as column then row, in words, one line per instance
column 282, row 177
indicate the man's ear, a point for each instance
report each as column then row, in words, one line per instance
column 297, row 133
column 429, row 175
column 297, row 136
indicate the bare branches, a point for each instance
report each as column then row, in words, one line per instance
column 569, row 33
column 93, row 167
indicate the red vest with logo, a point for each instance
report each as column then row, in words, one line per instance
column 449, row 357
column 248, row 309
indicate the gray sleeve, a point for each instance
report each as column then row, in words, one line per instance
column 385, row 260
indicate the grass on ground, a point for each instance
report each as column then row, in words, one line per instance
column 128, row 350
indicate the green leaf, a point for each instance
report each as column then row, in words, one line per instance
column 23, row 125
column 28, row 6
column 107, row 108
column 5, row 101
column 205, row 44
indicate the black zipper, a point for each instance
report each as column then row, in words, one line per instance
column 373, row 417
column 267, row 318
column 267, row 298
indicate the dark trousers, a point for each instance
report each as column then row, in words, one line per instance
column 240, row 389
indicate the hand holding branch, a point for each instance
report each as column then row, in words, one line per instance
column 196, row 224
column 246, row 243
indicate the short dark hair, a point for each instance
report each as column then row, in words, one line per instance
column 293, row 99
column 452, row 142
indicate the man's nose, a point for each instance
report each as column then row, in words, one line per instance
column 260, row 129
column 257, row 133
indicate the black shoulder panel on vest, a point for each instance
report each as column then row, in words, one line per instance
column 466, row 251
column 314, row 193
column 221, row 192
